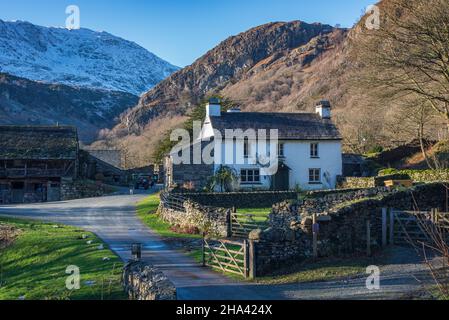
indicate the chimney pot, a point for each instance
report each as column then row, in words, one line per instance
column 213, row 108
column 323, row 108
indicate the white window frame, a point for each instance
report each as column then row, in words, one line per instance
column 246, row 148
column 315, row 176
column 314, row 150
column 247, row 178
column 281, row 150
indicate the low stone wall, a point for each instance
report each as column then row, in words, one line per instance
column 425, row 176
column 367, row 182
column 211, row 220
column 79, row 189
column 259, row 199
column 356, row 182
column 342, row 230
column 144, row 282
column 323, row 201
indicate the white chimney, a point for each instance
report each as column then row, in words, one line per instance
column 323, row 108
column 213, row 108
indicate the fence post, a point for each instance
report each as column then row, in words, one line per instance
column 391, row 226
column 203, row 251
column 436, row 215
column 252, row 259
column 368, row 238
column 315, row 238
column 384, row 227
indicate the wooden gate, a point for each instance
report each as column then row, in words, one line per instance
column 229, row 256
column 412, row 227
column 242, row 224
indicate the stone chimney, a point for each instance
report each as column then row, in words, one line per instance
column 213, row 108
column 323, row 108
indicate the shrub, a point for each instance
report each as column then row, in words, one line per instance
column 387, row 172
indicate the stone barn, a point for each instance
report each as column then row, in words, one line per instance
column 34, row 161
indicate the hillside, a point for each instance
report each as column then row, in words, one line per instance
column 79, row 58
column 229, row 62
column 29, row 102
column 277, row 67
column 235, row 61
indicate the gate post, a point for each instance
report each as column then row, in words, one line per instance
column 246, row 258
column 391, row 226
column 368, row 238
column 229, row 223
column 252, row 259
column 384, row 227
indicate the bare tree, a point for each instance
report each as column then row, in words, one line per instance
column 408, row 57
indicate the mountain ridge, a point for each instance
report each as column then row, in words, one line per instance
column 27, row 102
column 83, row 57
column 228, row 61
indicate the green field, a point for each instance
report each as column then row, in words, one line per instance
column 259, row 215
column 34, row 266
column 324, row 269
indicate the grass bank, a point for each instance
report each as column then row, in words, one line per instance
column 34, row 266
column 146, row 211
column 325, row 269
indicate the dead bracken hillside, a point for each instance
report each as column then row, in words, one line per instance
column 277, row 67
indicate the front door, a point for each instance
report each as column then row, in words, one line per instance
column 281, row 180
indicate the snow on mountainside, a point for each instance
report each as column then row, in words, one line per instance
column 79, row 57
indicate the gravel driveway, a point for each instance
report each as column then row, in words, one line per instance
column 113, row 219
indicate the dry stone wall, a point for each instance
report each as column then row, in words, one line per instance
column 211, row 220
column 259, row 199
column 79, row 189
column 144, row 282
column 368, row 182
column 425, row 176
column 342, row 230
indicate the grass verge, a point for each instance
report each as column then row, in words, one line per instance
column 34, row 266
column 325, row 269
column 146, row 211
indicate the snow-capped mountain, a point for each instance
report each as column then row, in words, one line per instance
column 79, row 57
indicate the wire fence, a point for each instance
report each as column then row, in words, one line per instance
column 173, row 201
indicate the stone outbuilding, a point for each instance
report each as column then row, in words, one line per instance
column 34, row 161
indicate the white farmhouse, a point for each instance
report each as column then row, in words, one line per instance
column 309, row 151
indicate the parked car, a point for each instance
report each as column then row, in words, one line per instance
column 144, row 182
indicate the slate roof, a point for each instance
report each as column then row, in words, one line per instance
column 38, row 142
column 291, row 126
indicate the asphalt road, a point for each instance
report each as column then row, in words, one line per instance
column 113, row 219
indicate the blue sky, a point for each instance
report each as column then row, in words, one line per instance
column 180, row 31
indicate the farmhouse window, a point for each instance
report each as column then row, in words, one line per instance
column 250, row 176
column 314, row 176
column 246, row 148
column 281, row 150
column 314, row 150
